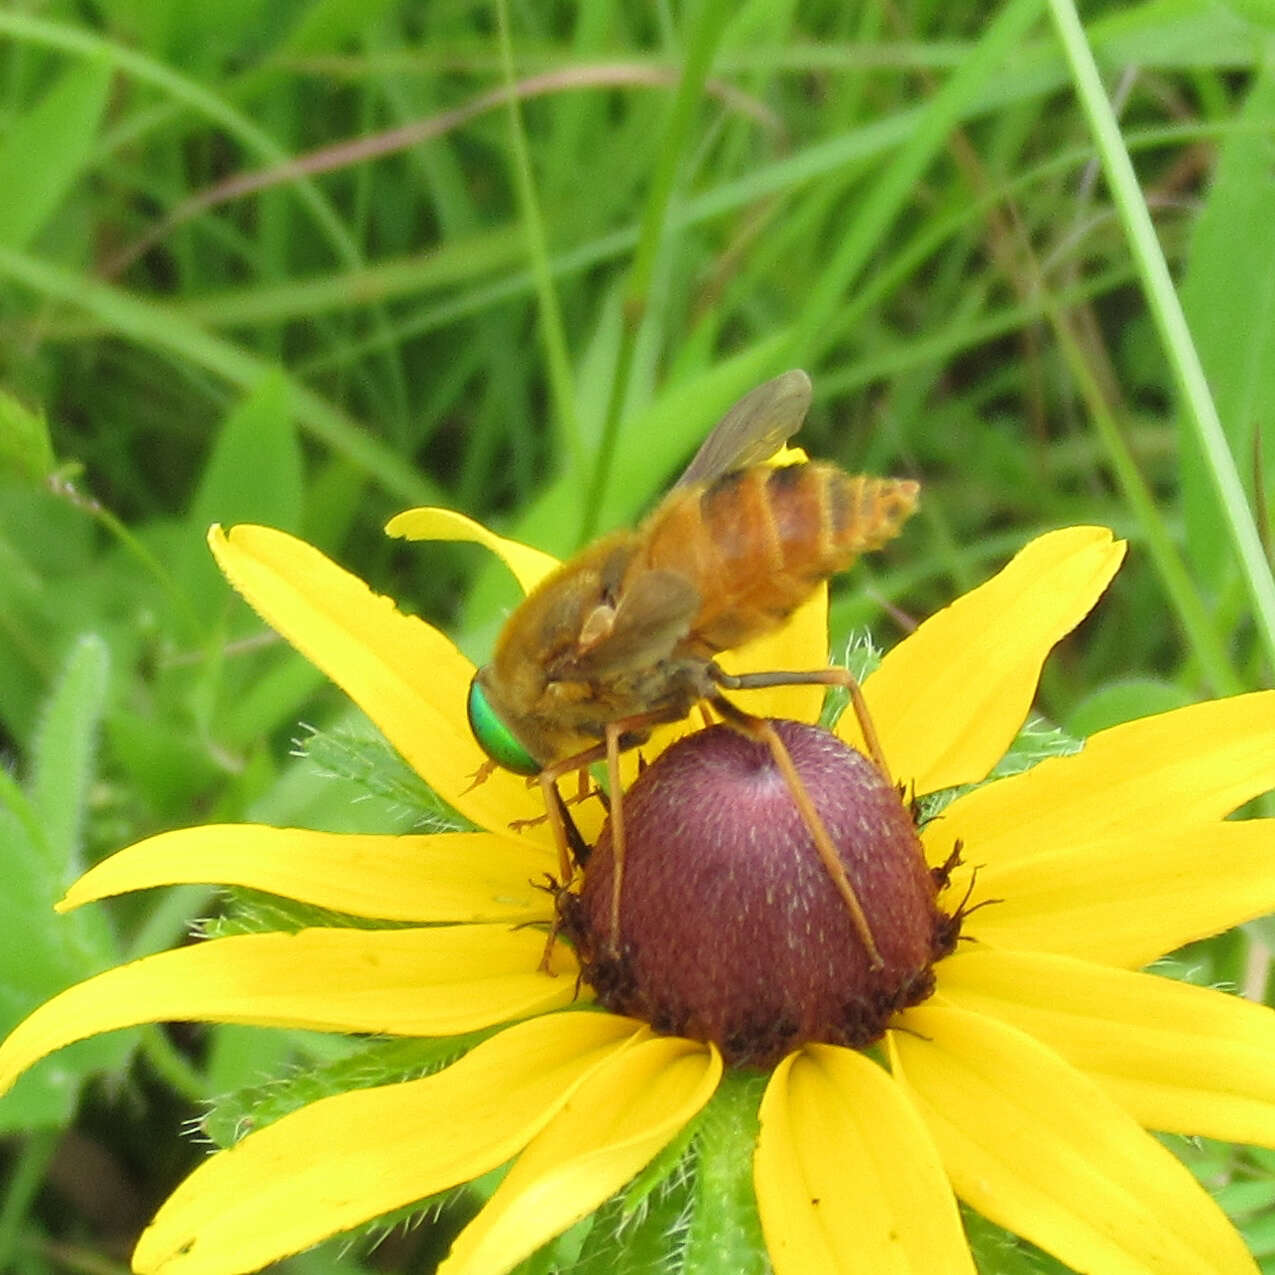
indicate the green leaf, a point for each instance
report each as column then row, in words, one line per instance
column 45, row 152
column 239, row 1056
column 1122, row 702
column 164, row 760
column 33, row 965
column 254, row 474
column 25, row 445
column 1229, row 299
column 326, row 25
column 65, row 751
column 1179, row 32
column 39, row 849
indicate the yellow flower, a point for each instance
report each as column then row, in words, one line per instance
column 1023, row 1086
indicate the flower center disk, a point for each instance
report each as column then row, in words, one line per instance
column 731, row 928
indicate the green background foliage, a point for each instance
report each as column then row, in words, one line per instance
column 312, row 262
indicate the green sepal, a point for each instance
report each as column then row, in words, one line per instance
column 723, row 1231
column 255, row 912
column 692, row 1210
column 359, row 1065
column 1036, row 742
column 364, row 758
column 997, row 1251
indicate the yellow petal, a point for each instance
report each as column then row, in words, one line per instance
column 949, row 699
column 1145, row 778
column 529, row 565
column 1129, row 900
column 848, row 1179
column 449, row 876
column 431, row 982
column 346, row 1159
column 1178, row 1058
column 800, row 646
column 1040, row 1149
column 616, row 1121
column 404, row 674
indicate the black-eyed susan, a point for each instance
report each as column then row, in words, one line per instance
column 1023, row 1084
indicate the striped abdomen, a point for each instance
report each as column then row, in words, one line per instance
column 758, row 541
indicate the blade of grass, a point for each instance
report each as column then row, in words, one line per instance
column 84, row 43
column 703, row 37
column 863, row 143
column 59, row 129
column 552, row 333
column 571, row 79
column 893, row 185
column 155, row 325
column 26, row 1177
column 1017, row 261
column 1228, row 294
column 190, row 94
column 1166, row 310
column 1183, row 595
column 457, row 261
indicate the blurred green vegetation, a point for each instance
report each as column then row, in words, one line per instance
column 312, row 262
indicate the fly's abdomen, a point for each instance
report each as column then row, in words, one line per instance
column 757, row 542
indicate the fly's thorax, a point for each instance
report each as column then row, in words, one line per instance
column 522, row 681
column 544, row 629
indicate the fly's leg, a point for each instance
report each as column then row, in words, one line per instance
column 614, row 731
column 586, row 789
column 615, row 740
column 555, row 813
column 763, row 731
column 813, row 677
column 480, row 776
column 573, row 850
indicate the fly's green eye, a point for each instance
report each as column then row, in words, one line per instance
column 494, row 737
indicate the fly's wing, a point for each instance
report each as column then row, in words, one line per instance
column 656, row 606
column 754, row 429
column 651, row 617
